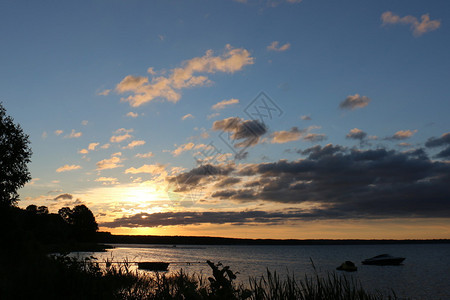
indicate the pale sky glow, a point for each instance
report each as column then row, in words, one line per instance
column 257, row 118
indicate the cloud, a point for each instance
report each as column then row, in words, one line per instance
column 189, row 180
column 249, row 131
column 281, row 137
column 213, row 115
column 84, row 122
column 83, row 151
column 418, row 28
column 183, row 148
column 188, row 116
column 354, row 102
column 356, row 134
column 150, row 169
column 295, row 134
column 73, row 134
column 444, row 140
column 122, row 134
column 402, row 135
column 44, row 135
column 105, row 146
column 306, row 118
column 92, row 146
column 195, row 218
column 438, row 142
column 58, row 132
column 132, row 114
column 66, row 168
column 143, row 90
column 144, row 155
column 104, row 92
column 107, row 180
column 374, row 183
column 315, row 137
column 63, row 197
column 134, row 144
column 275, row 47
column 110, row 163
column 222, row 104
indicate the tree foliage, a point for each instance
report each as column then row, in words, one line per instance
column 15, row 154
column 81, row 219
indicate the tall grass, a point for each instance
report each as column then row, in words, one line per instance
column 70, row 278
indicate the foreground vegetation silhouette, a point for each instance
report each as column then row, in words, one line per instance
column 27, row 270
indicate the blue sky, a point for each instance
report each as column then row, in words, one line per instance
column 379, row 68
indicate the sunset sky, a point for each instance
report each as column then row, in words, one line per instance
column 249, row 118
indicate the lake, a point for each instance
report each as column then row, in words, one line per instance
column 425, row 274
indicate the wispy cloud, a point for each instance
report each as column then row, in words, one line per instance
column 143, row 90
column 402, row 135
column 73, row 134
column 182, row 148
column 132, row 114
column 283, row 136
column 107, row 180
column 354, row 101
column 418, row 28
column 149, row 169
column 188, row 116
column 58, row 132
column 274, row 46
column 133, row 144
column 356, row 134
column 222, row 104
column 144, row 155
column 66, row 168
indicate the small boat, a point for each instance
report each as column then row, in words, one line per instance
column 347, row 266
column 383, row 260
column 153, row 266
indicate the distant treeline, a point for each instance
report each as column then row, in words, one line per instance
column 106, row 237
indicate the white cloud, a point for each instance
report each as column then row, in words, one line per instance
column 418, row 28
column 58, row 132
column 188, row 116
column 83, row 151
column 66, row 168
column 110, row 163
column 222, row 104
column 274, row 46
column 120, row 138
column 143, row 90
column 150, row 169
column 134, row 144
column 281, row 137
column 306, row 118
column 105, row 146
column 92, row 146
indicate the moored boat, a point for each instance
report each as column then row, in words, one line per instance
column 383, row 260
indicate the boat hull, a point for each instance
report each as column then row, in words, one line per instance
column 153, row 266
column 384, row 262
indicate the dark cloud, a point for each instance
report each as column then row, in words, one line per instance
column 354, row 101
column 356, row 134
column 191, row 218
column 242, row 133
column 228, row 181
column 188, row 180
column 63, row 197
column 376, row 182
column 315, row 137
column 444, row 153
column 437, row 142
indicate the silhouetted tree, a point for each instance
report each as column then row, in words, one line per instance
column 32, row 209
column 15, row 154
column 42, row 210
column 82, row 221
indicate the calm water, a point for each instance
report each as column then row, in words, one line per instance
column 425, row 274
